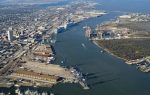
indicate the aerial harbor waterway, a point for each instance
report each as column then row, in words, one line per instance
column 107, row 75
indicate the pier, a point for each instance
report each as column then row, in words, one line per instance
column 84, row 85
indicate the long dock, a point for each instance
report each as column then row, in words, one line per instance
column 84, row 85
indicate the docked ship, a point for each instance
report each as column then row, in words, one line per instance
column 53, row 37
column 30, row 92
column 62, row 28
column 81, row 78
column 65, row 26
column 88, row 31
column 71, row 23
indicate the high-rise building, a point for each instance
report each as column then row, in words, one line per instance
column 10, row 34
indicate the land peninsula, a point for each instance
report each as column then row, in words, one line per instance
column 127, row 37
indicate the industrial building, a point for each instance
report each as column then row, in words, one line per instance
column 29, row 75
column 43, row 53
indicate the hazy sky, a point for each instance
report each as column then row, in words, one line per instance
column 29, row 1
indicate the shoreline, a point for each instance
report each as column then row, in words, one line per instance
column 55, row 30
column 129, row 62
column 138, row 62
column 109, row 52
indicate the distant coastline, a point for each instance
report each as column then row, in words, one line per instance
column 31, row 1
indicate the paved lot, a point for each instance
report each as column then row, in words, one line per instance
column 50, row 69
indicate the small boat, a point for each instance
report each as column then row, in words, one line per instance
column 62, row 62
column 52, row 94
column 52, row 58
column 16, row 85
column 84, row 27
column 83, row 79
column 83, row 45
column 102, row 51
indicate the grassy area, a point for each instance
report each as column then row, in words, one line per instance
column 128, row 49
column 137, row 26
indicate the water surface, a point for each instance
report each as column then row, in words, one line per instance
column 108, row 74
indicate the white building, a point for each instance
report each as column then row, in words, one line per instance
column 10, row 35
column 125, row 16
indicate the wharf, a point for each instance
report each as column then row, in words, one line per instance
column 84, row 85
column 7, row 85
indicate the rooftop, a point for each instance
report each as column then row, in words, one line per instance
column 43, row 50
column 31, row 73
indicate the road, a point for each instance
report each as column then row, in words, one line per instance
column 13, row 61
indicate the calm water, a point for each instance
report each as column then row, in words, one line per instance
column 108, row 75
column 141, row 6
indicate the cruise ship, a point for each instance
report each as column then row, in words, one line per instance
column 63, row 27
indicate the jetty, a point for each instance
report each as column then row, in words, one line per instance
column 84, row 85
